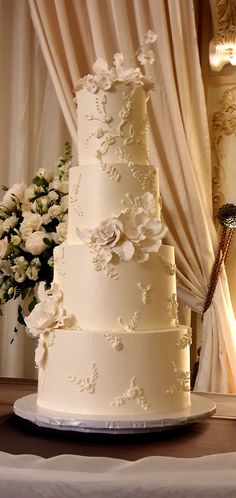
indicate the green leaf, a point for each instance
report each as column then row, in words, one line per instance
column 40, row 181
column 32, row 304
column 47, row 242
column 20, row 317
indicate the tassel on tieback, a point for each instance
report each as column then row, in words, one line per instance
column 227, row 218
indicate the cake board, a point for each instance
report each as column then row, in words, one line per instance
column 27, row 408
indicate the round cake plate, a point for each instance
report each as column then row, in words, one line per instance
column 28, row 409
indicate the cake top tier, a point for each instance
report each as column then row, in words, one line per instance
column 112, row 111
column 104, row 78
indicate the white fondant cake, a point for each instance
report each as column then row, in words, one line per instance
column 110, row 343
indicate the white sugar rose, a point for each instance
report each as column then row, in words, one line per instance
column 3, row 248
column 108, row 233
column 49, row 313
column 13, row 194
column 35, row 244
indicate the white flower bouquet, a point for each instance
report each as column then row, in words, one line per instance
column 33, row 220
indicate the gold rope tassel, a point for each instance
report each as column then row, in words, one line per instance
column 227, row 218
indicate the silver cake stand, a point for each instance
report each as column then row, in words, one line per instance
column 27, row 408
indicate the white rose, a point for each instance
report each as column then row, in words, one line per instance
column 52, row 195
column 35, row 244
column 33, row 220
column 3, row 247
column 9, row 222
column 109, row 232
column 45, row 173
column 40, row 205
column 61, row 231
column 29, row 193
column 62, row 186
column 55, row 211
column 46, row 218
column 13, row 194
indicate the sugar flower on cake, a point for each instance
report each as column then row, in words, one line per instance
column 49, row 313
column 133, row 233
column 104, row 77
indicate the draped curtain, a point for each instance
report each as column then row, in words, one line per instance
column 72, row 34
column 32, row 135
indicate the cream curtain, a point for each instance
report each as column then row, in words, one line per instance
column 72, row 34
column 32, row 135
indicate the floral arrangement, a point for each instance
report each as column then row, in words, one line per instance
column 33, row 220
column 104, row 77
column 133, row 233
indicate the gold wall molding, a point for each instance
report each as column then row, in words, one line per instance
column 223, row 124
column 223, row 14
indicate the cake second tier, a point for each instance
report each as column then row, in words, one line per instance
column 142, row 297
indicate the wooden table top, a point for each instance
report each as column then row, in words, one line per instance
column 213, row 435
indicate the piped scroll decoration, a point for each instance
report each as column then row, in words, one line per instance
column 182, row 381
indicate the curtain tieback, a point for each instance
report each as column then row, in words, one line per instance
column 227, row 218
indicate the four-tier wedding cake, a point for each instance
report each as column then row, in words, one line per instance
column 112, row 345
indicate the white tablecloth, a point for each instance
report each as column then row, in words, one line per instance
column 69, row 476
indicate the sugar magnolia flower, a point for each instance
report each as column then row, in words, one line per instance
column 132, row 233
column 49, row 313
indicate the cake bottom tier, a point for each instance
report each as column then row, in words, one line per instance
column 133, row 374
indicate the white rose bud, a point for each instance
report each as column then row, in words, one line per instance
column 52, row 195
column 3, row 247
column 45, row 173
column 55, row 211
column 16, row 192
column 15, row 240
column 35, row 244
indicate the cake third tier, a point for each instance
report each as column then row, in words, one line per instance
column 142, row 297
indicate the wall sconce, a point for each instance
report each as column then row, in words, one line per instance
column 222, row 49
